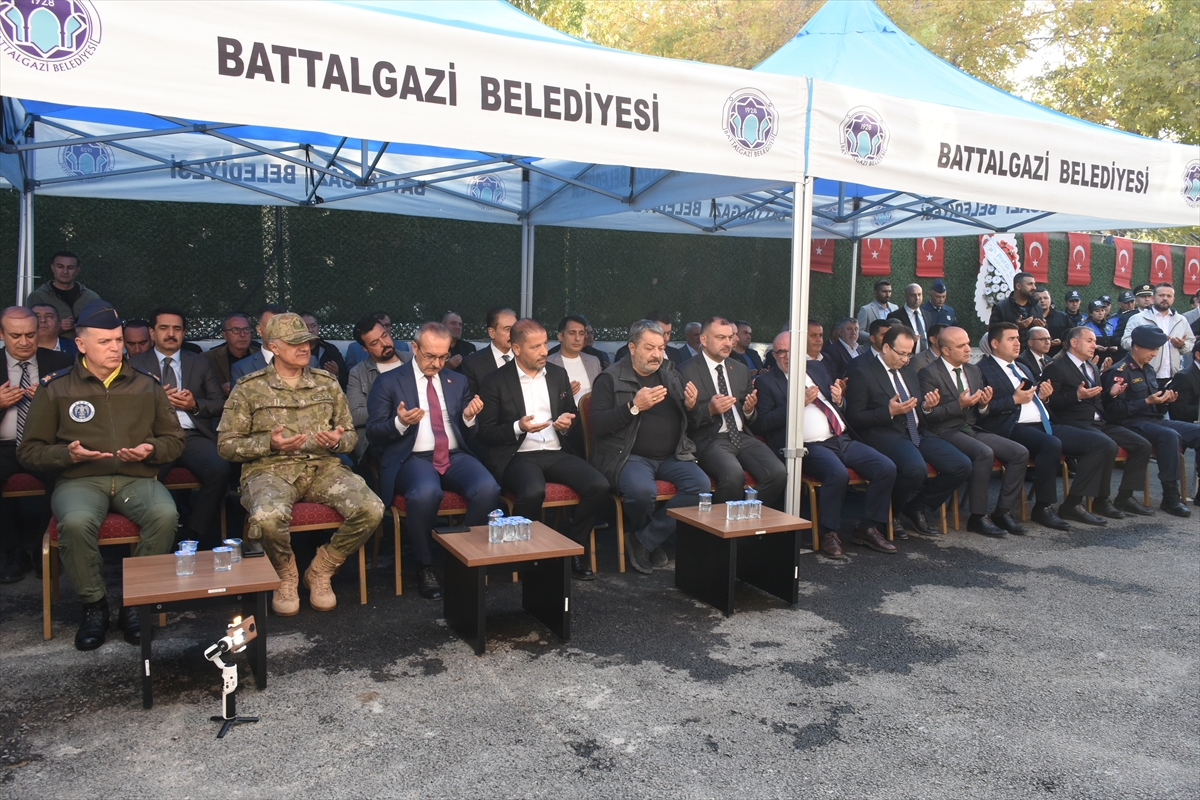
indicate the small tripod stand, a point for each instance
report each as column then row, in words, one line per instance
column 236, row 641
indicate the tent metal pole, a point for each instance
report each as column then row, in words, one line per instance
column 853, row 274
column 25, row 280
column 526, row 249
column 20, row 299
column 801, row 256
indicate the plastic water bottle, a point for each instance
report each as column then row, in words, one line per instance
column 733, row 510
column 751, row 494
column 755, row 507
column 525, row 531
column 495, row 530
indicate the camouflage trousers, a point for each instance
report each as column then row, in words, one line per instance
column 269, row 498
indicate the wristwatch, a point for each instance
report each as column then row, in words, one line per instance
column 633, row 409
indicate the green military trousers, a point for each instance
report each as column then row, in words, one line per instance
column 80, row 505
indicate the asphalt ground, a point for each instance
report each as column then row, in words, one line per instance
column 1055, row 664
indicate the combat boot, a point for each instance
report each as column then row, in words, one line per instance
column 1172, row 503
column 286, row 602
column 316, row 578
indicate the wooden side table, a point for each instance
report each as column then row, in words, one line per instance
column 150, row 583
column 545, row 569
column 711, row 553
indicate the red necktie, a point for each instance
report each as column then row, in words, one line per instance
column 441, row 442
column 834, row 425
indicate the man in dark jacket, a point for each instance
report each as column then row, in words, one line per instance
column 639, row 420
column 1019, row 307
column 105, row 429
column 326, row 354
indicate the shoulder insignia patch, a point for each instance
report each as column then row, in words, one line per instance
column 53, row 375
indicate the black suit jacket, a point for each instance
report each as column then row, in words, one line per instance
column 1065, row 406
column 1003, row 413
column 948, row 416
column 868, row 391
column 48, row 361
column 771, row 423
column 836, row 359
column 199, row 378
column 702, row 426
column 504, row 404
column 901, row 315
column 327, row 352
column 1186, row 407
column 1029, row 360
column 478, row 366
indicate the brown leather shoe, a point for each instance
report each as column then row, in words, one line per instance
column 831, row 546
column 872, row 538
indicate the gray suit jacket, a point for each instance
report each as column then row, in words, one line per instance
column 199, row 378
column 591, row 364
column 949, row 416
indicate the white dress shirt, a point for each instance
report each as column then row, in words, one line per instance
column 8, row 424
column 501, row 358
column 712, row 371
column 1029, row 412
column 1093, row 376
column 185, row 419
column 852, row 349
column 815, row 423
column 917, row 323
column 424, row 442
column 537, row 402
column 576, row 371
column 1165, row 322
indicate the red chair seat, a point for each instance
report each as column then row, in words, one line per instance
column 23, row 482
column 854, row 476
column 560, row 493
column 996, row 464
column 315, row 514
column 178, row 476
column 451, row 501
column 665, row 487
column 747, row 480
column 930, row 472
column 114, row 527
column 1122, row 453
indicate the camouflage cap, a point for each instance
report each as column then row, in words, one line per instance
column 288, row 328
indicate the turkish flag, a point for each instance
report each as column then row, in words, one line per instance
column 1160, row 264
column 876, row 256
column 1079, row 259
column 1123, row 269
column 1037, row 256
column 1191, row 270
column 930, row 258
column 822, row 256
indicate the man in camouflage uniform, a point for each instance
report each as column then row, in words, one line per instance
column 287, row 423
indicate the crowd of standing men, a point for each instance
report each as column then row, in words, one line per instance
column 102, row 408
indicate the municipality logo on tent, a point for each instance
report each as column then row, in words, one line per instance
column 49, row 35
column 865, row 137
column 87, row 160
column 489, row 189
column 750, row 122
column 1191, row 184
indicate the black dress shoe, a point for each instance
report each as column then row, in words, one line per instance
column 427, row 584
column 12, row 571
column 1048, row 519
column 581, row 568
column 898, row 530
column 1080, row 514
column 914, row 517
column 1175, row 506
column 659, row 558
column 93, row 625
column 1007, row 522
column 1130, row 506
column 252, row 548
column 1105, row 508
column 128, row 621
column 982, row 525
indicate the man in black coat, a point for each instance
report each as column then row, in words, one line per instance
column 1019, row 306
column 885, row 407
column 724, row 444
column 527, row 417
column 326, row 354
column 1036, row 355
column 25, row 364
column 194, row 391
column 481, row 363
column 1075, row 401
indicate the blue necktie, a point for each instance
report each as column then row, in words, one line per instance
column 910, row 419
column 1037, row 401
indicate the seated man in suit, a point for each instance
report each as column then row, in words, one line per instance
column 913, row 315
column 639, row 421
column 691, row 339
column 1076, row 402
column 886, row 410
column 1018, row 411
column 831, row 448
column 1186, row 386
column 460, row 348
column 194, row 393
column 236, row 331
column 327, row 355
column 742, row 349
column 964, row 399
column 423, row 416
column 25, row 364
column 137, row 337
column 841, row 348
column 727, row 399
column 589, row 346
column 259, row 359
column 49, row 330
column 381, row 357
column 528, row 413
column 481, row 363
column 1036, row 355
column 931, row 353
column 1134, row 396
column 676, row 356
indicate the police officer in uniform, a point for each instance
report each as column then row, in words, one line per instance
column 1133, row 398
column 104, row 428
column 287, row 424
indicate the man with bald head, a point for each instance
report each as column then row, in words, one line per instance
column 104, row 429
column 912, row 315
column 26, row 363
column 963, row 400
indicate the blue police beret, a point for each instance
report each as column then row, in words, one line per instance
column 1150, row 336
column 98, row 314
column 938, row 286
